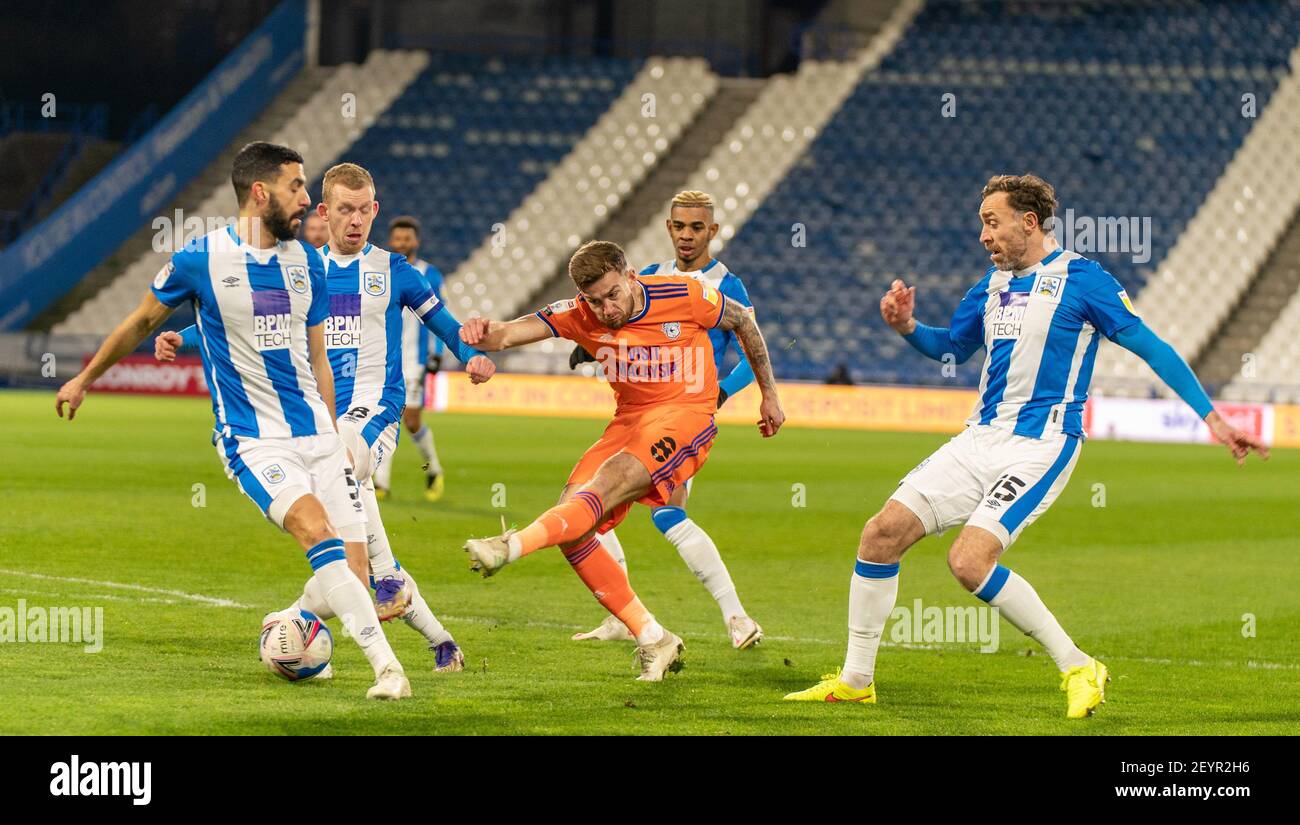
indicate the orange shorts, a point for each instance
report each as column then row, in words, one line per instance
column 671, row 442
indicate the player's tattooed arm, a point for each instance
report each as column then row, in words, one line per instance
column 494, row 336
column 121, row 342
column 741, row 321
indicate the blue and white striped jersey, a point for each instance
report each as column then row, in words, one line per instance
column 253, row 307
column 1040, row 327
column 415, row 335
column 368, row 292
column 723, row 280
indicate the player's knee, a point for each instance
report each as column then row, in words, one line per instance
column 883, row 540
column 411, row 418
column 620, row 478
column 311, row 530
column 968, row 564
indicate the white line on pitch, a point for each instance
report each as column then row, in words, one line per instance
column 1252, row 664
column 180, row 594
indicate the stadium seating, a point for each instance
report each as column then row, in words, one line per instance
column 472, row 137
column 320, row 129
column 586, row 187
column 1118, row 110
column 1216, row 260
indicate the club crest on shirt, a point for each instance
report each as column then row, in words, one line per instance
column 672, row 329
column 274, row 474
column 375, row 283
column 297, row 277
column 1048, row 286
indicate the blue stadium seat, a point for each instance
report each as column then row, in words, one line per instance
column 1128, row 111
column 473, row 135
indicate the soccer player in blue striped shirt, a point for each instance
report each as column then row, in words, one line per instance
column 1040, row 312
column 261, row 301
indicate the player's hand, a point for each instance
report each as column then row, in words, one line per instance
column 166, row 345
column 771, row 416
column 1238, row 442
column 480, row 368
column 579, row 356
column 897, row 305
column 72, row 394
column 473, row 330
column 434, row 364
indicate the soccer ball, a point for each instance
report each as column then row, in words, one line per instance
column 296, row 645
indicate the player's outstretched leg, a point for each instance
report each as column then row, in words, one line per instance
column 397, row 594
column 702, row 557
column 872, row 593
column 307, row 522
column 571, row 524
column 973, row 559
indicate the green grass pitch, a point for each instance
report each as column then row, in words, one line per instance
column 1157, row 582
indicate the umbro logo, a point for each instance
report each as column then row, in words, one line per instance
column 230, row 280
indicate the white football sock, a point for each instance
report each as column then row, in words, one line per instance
column 651, row 632
column 424, row 440
column 702, row 557
column 1020, row 604
column 614, row 547
column 383, row 475
column 421, row 618
column 312, row 601
column 872, row 593
column 382, row 562
column 352, row 604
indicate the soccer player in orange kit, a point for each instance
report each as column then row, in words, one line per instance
column 650, row 335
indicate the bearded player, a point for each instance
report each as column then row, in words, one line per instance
column 1041, row 312
column 691, row 228
column 370, row 291
column 650, row 335
column 262, row 304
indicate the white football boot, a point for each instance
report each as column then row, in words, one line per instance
column 745, row 632
column 610, row 630
column 391, row 684
column 659, row 658
column 489, row 555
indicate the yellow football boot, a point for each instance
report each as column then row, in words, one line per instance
column 1085, row 688
column 831, row 689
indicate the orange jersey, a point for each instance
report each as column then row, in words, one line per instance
column 662, row 355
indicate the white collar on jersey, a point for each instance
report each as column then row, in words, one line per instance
column 260, row 254
column 330, row 255
column 1029, row 270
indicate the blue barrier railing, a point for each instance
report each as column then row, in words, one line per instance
column 52, row 257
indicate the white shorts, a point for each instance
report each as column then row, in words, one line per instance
column 276, row 472
column 991, row 478
column 415, row 389
column 370, row 435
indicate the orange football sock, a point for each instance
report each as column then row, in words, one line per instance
column 607, row 580
column 568, row 521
